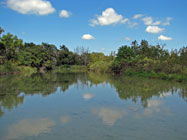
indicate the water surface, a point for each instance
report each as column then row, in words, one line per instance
column 88, row 106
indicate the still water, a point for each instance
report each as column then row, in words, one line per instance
column 88, row 106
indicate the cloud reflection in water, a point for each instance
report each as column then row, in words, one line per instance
column 65, row 119
column 87, row 96
column 29, row 127
column 109, row 115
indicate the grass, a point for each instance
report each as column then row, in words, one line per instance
column 73, row 68
column 9, row 68
column 153, row 75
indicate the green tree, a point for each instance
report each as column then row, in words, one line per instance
column 51, row 53
column 10, row 46
column 183, row 58
column 39, row 56
column 125, row 53
column 65, row 57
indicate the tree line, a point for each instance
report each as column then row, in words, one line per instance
column 44, row 56
column 137, row 58
column 144, row 57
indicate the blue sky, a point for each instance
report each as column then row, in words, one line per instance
column 100, row 25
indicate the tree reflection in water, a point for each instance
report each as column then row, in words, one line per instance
column 13, row 88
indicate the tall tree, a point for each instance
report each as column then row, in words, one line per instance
column 10, row 46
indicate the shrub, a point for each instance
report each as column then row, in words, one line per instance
column 100, row 66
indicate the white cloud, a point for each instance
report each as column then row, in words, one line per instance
column 64, row 14
column 125, row 20
column 127, row 38
column 154, row 29
column 137, row 16
column 149, row 21
column 87, row 37
column 108, row 17
column 162, row 37
column 156, row 23
column 131, row 25
column 167, row 22
column 38, row 7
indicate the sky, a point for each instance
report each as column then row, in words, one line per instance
column 100, row 25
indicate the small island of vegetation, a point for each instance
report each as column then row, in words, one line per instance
column 136, row 60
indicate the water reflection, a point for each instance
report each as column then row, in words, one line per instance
column 1, row 112
column 13, row 89
column 165, row 94
column 109, row 115
column 91, row 106
column 153, row 106
column 87, row 96
column 65, row 119
column 29, row 127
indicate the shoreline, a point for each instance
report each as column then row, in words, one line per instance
column 77, row 69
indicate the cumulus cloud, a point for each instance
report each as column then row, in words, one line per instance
column 127, row 38
column 154, row 29
column 108, row 17
column 137, row 16
column 38, row 7
column 149, row 21
column 64, row 14
column 167, row 22
column 162, row 37
column 87, row 37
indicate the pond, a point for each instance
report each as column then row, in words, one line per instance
column 90, row 106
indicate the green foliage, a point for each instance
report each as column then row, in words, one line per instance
column 38, row 55
column 9, row 46
column 70, row 69
column 8, row 67
column 26, row 70
column 116, row 66
column 100, row 66
column 65, row 56
column 125, row 53
column 14, row 88
column 94, row 57
column 144, row 58
column 100, row 63
column 141, row 58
